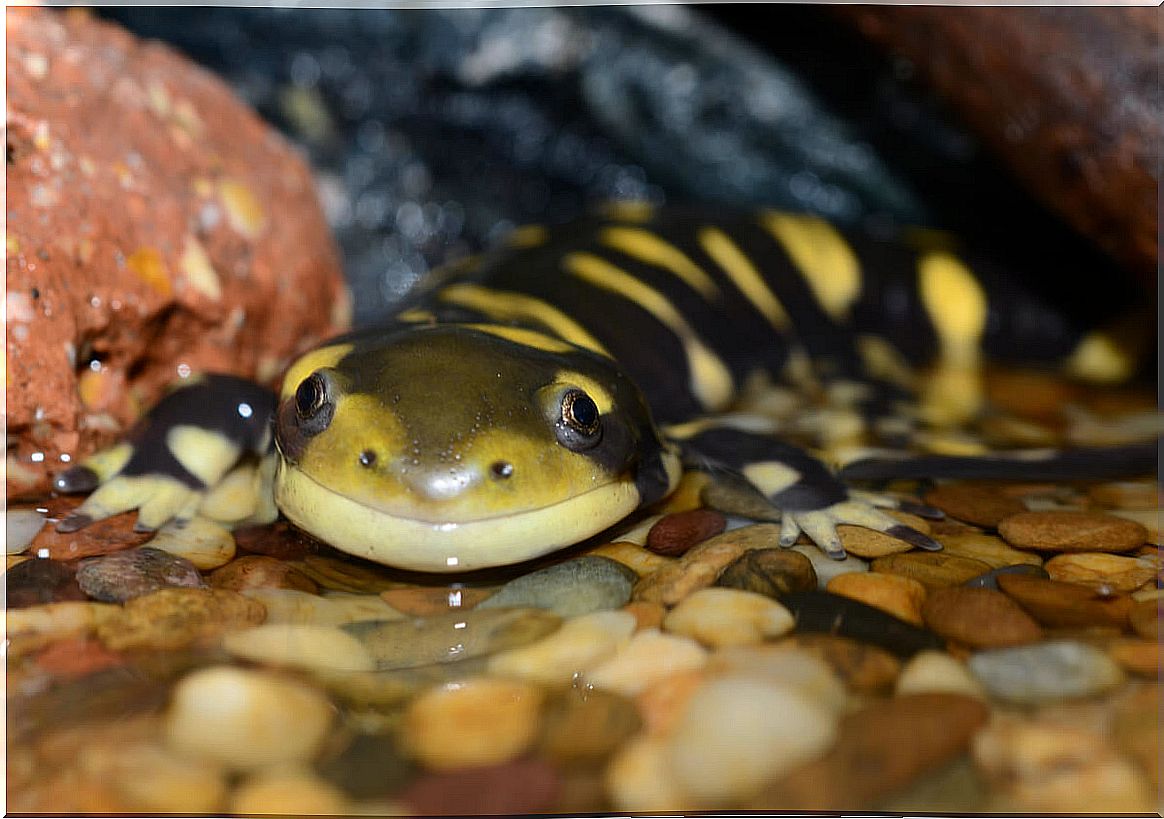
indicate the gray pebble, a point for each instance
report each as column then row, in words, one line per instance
column 1034, row 674
column 569, row 589
column 121, row 576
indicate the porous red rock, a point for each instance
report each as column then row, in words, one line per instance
column 154, row 224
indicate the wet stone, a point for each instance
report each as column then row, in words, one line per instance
column 336, row 609
column 979, row 618
column 370, row 766
column 38, row 581
column 287, row 791
column 864, row 668
column 719, row 617
column 899, row 596
column 821, row 612
column 771, row 572
column 1103, row 571
column 77, row 657
column 937, row 671
column 649, row 656
column 702, row 565
column 787, row 665
column 483, row 721
column 1066, row 605
column 204, row 542
column 1072, row 532
column 280, row 540
column 989, row 580
column 299, row 646
column 676, row 533
column 99, row 538
column 932, row 569
column 582, row 726
column 738, row 498
column 991, row 550
column 132, row 573
column 526, row 786
column 981, row 505
column 880, row 749
column 177, row 618
column 826, row 568
column 1056, row 669
column 451, row 637
column 636, row 558
column 568, row 589
column 425, row 602
column 261, row 572
column 20, row 527
column 579, row 645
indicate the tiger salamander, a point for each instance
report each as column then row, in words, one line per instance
column 535, row 396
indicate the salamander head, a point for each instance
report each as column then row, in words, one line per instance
column 456, row 447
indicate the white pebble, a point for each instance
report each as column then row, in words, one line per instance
column 203, row 542
column 289, row 792
column 20, row 527
column 788, row 667
column 294, row 606
column 740, row 733
column 638, row 779
column 324, row 648
column 937, row 671
column 729, row 617
column 246, row 719
column 581, row 643
column 647, row 657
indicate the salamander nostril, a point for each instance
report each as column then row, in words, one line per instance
column 501, row 469
column 367, row 458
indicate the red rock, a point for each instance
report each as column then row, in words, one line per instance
column 154, row 222
column 259, row 572
column 100, row 538
column 980, row 618
column 523, row 786
column 280, row 540
column 675, row 534
column 76, row 657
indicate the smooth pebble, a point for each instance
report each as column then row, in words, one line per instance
column 649, row 656
column 720, row 617
column 929, row 671
column 580, row 644
column 301, row 646
column 900, row 596
column 294, row 606
column 568, row 589
column 788, row 666
column 20, row 527
column 121, row 576
column 289, row 792
column 203, row 542
column 1035, row 674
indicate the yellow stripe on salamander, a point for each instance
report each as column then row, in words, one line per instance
column 711, row 381
column 744, row 275
column 503, row 305
column 647, row 247
column 822, row 255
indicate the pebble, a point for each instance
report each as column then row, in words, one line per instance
column 636, row 558
column 826, row 568
column 132, row 573
column 280, row 540
column 894, row 594
column 32, row 628
column 199, row 540
column 647, row 615
column 993, row 551
column 1103, row 571
column 521, row 787
column 1150, row 519
column 703, row 564
column 261, row 572
column 787, row 665
column 289, row 792
column 370, row 766
column 580, row 644
column 346, row 575
column 1035, row 767
column 674, row 534
column 880, row 749
column 246, row 719
column 1056, row 669
column 1139, row 495
column 979, row 618
column 864, row 668
column 98, row 538
column 37, row 581
column 1144, row 616
column 20, row 527
column 426, row 601
column 738, row 498
column 720, row 617
column 1072, row 532
column 1143, row 657
column 583, row 726
column 156, row 780
column 937, row 671
column 648, row 657
column 299, row 646
column 981, row 505
column 171, row 619
column 1069, row 605
column 568, row 589
column 932, row 569
column 826, row 613
column 989, row 580
column 293, row 606
column 451, row 637
column 635, row 531
column 771, row 572
column 869, row 543
column 76, row 657
column 639, row 778
column 662, row 704
column 483, row 721
column 738, row 733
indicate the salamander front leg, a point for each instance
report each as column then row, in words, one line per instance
column 188, row 448
column 810, row 498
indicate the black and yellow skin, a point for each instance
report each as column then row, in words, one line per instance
column 531, row 398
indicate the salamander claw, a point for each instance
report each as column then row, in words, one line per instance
column 882, row 501
column 75, row 481
column 821, row 526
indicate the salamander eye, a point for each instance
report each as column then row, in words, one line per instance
column 310, row 396
column 581, row 424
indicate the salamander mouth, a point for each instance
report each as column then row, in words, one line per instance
column 448, row 546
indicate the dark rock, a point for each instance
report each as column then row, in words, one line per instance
column 36, row 581
column 771, row 572
column 989, row 580
column 817, row 611
column 371, row 766
column 568, row 589
column 132, row 573
column 675, row 534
